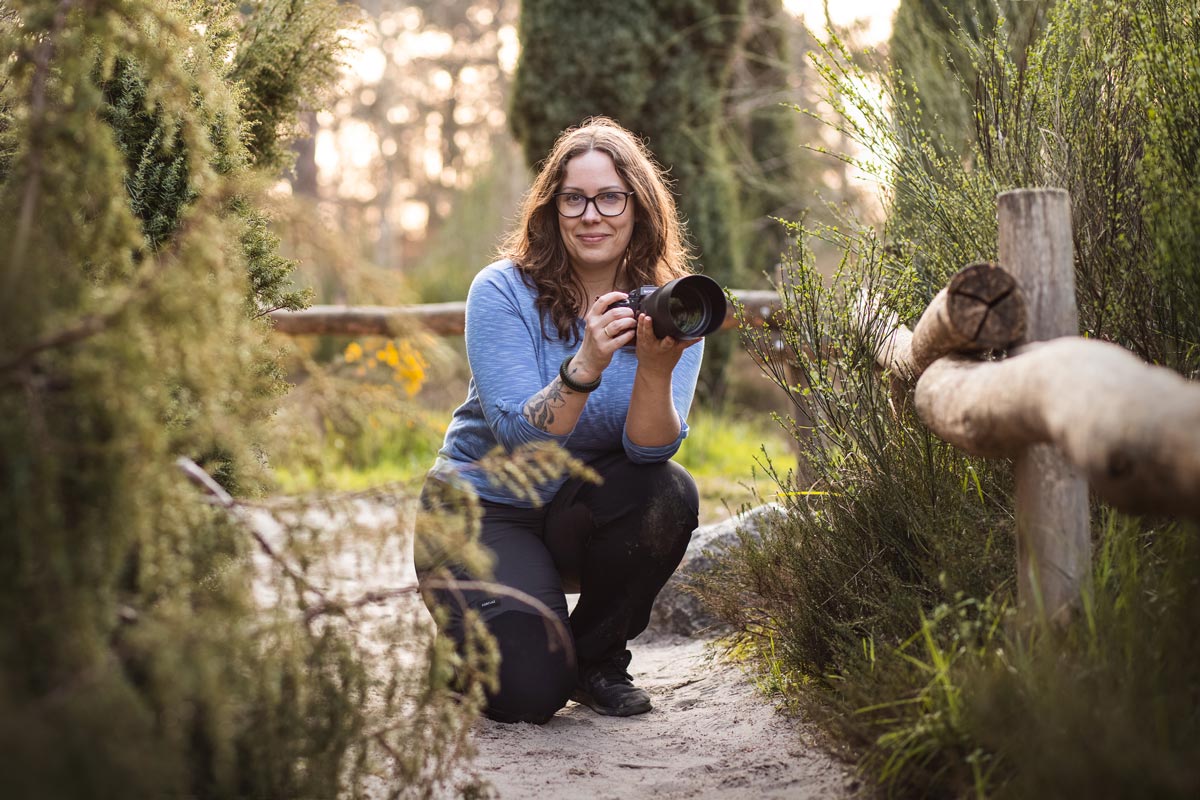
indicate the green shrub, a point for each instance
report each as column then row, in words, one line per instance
column 881, row 601
column 883, row 519
column 1108, row 707
column 145, row 651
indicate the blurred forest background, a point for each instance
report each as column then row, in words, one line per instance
column 402, row 188
column 415, row 168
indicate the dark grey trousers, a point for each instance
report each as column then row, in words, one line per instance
column 615, row 543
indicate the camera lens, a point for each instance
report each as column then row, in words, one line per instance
column 689, row 310
column 687, row 307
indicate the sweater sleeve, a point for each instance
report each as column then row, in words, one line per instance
column 683, row 390
column 504, row 365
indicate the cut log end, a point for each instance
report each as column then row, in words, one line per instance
column 981, row 309
column 985, row 306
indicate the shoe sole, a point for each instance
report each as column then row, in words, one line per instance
column 587, row 700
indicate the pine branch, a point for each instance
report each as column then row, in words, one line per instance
column 42, row 56
column 91, row 324
column 270, row 310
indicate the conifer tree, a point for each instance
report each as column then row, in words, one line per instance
column 135, row 267
column 764, row 138
column 660, row 69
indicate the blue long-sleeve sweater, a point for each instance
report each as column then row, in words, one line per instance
column 512, row 360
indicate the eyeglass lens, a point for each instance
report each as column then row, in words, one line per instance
column 609, row 204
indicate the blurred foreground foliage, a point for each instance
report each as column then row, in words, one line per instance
column 157, row 644
column 881, row 601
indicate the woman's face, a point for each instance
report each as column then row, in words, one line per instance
column 595, row 243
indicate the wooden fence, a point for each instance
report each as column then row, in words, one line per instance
column 446, row 319
column 1070, row 412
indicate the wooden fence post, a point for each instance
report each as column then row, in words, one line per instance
column 1053, row 532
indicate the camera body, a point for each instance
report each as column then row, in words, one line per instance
column 635, row 300
column 685, row 308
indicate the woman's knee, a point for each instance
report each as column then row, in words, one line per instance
column 679, row 483
column 665, row 510
column 664, row 482
column 537, row 670
column 671, row 498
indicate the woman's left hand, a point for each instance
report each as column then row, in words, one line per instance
column 658, row 356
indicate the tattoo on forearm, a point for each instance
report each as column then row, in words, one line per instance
column 541, row 407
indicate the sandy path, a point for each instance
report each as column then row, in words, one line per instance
column 710, row 735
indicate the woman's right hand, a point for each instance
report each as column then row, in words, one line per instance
column 605, row 330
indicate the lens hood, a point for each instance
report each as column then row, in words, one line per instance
column 686, row 308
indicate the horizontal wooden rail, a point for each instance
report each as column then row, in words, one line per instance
column 443, row 319
column 1132, row 428
column 1072, row 413
column 446, row 319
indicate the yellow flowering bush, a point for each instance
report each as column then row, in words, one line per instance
column 408, row 366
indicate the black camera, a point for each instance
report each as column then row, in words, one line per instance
column 685, row 308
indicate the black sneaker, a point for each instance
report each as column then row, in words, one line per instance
column 608, row 689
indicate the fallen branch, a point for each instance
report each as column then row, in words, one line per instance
column 196, row 474
column 1132, row 428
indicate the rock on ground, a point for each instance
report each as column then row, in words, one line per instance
column 678, row 611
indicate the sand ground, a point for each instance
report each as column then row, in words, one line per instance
column 710, row 735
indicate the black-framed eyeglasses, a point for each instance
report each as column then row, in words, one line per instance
column 608, row 204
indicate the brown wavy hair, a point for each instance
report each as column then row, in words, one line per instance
column 657, row 252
